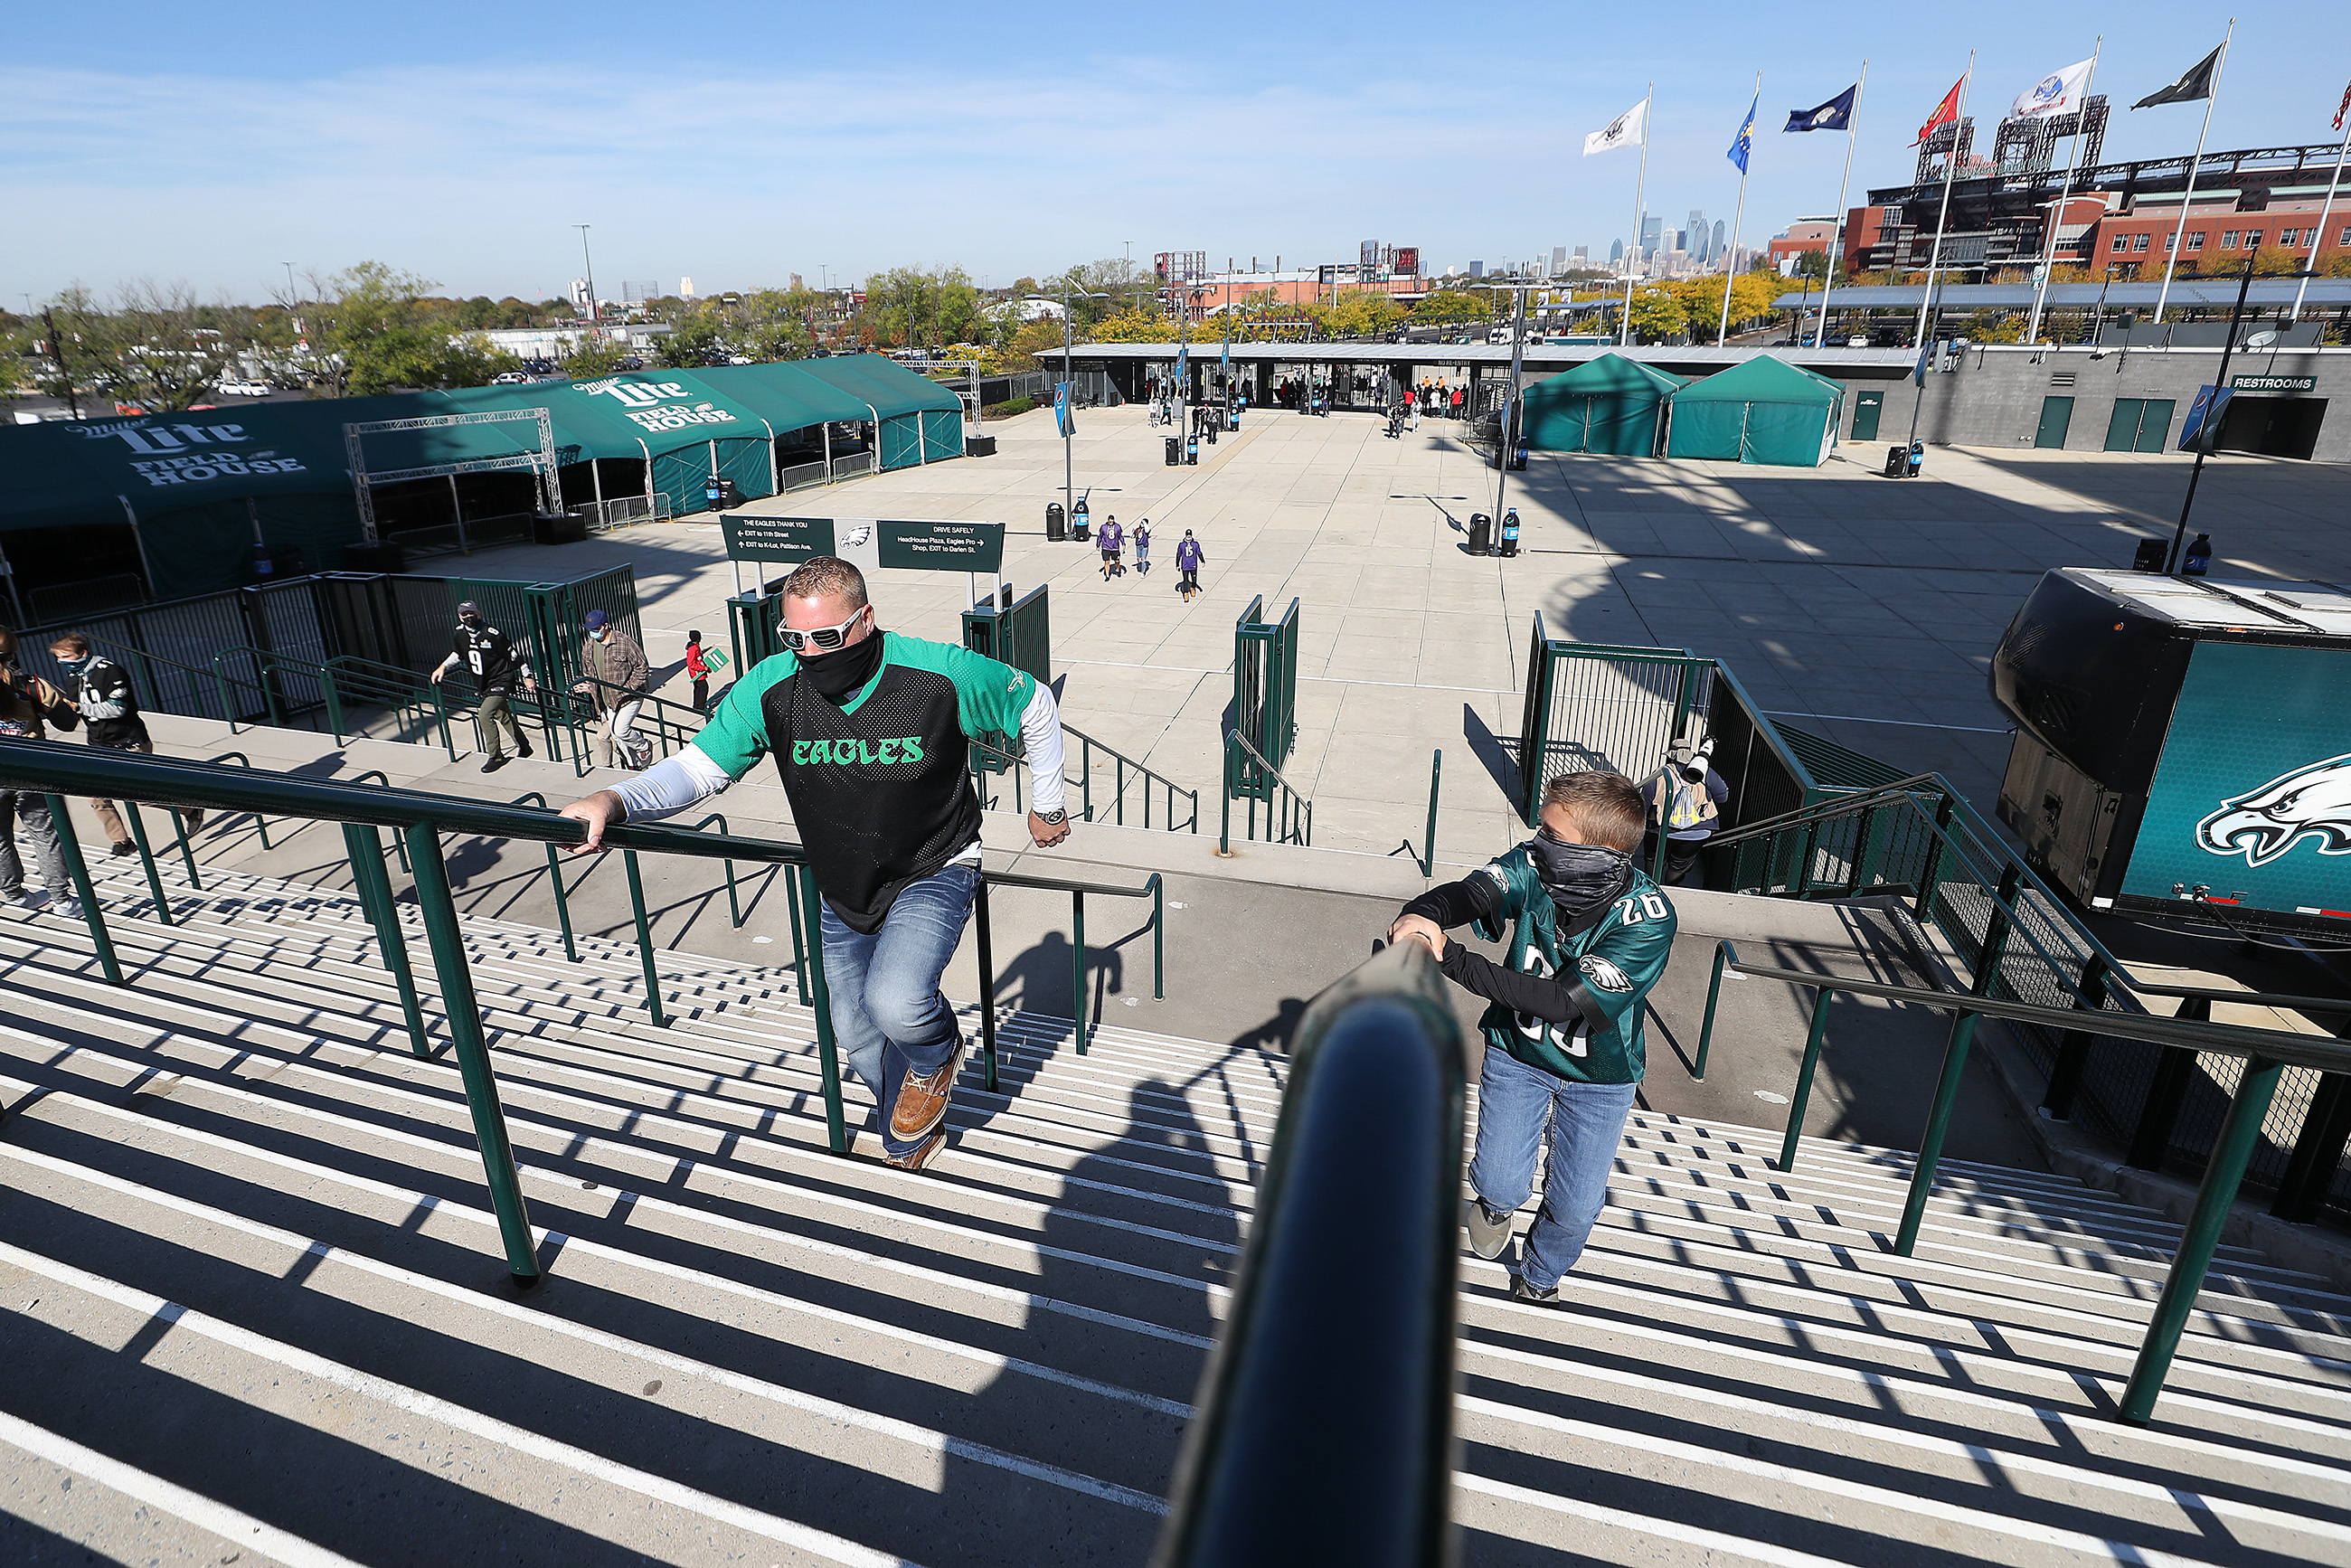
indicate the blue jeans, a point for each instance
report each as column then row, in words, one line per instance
column 1520, row 1108
column 889, row 1017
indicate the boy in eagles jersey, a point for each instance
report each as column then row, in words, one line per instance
column 1589, row 933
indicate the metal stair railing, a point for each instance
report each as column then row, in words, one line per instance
column 1289, row 815
column 419, row 818
column 2265, row 1053
column 1324, row 1428
column 1120, row 764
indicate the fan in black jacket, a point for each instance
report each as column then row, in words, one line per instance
column 103, row 694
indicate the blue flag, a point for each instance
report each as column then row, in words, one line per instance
column 1837, row 114
column 1744, row 143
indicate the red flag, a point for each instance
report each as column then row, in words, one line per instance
column 2342, row 109
column 1946, row 112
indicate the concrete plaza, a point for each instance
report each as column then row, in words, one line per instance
column 1864, row 609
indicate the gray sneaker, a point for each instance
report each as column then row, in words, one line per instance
column 1490, row 1229
column 68, row 909
column 27, row 898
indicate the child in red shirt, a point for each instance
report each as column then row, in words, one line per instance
column 697, row 672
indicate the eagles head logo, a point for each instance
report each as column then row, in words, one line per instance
column 1603, row 974
column 855, row 535
column 2310, row 801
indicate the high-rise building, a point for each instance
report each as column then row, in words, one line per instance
column 1615, row 252
column 1558, row 259
column 1696, row 245
column 1714, row 250
column 1652, row 230
column 1582, row 257
column 1477, row 269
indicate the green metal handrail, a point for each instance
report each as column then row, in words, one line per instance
column 1289, row 816
column 2264, row 1051
column 1150, row 780
column 421, row 818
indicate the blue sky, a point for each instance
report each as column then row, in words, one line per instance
column 739, row 144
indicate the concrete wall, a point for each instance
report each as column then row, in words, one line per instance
column 1994, row 397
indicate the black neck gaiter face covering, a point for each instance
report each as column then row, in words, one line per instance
column 842, row 674
column 1580, row 876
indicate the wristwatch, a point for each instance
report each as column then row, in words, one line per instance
column 1053, row 819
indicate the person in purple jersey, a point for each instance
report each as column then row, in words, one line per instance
column 1112, row 540
column 1188, row 557
column 1143, row 547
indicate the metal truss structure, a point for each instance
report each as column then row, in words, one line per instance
column 541, row 463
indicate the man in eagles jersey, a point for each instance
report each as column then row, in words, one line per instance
column 491, row 656
column 1589, row 933
column 869, row 731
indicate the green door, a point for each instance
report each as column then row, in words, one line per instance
column 1865, row 414
column 2056, row 413
column 2137, row 424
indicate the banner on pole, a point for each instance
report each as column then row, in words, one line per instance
column 1622, row 132
column 1837, row 114
column 2194, row 83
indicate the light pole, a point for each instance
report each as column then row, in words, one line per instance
column 1504, row 444
column 1070, row 392
column 594, row 316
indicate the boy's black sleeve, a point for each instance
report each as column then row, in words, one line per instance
column 1457, row 902
column 1533, row 995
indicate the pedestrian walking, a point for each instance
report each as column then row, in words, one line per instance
column 617, row 676
column 697, row 670
column 107, row 704
column 489, row 656
column 28, row 705
column 1143, row 547
column 1112, row 538
column 1188, row 557
column 871, row 733
column 1589, row 934
column 1685, row 798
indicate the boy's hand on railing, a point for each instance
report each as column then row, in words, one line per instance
column 1046, row 834
column 1414, row 927
column 598, row 811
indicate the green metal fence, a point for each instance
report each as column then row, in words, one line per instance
column 1018, row 632
column 1918, row 841
column 420, row 818
column 1264, row 700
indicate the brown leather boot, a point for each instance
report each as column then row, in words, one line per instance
column 921, row 1101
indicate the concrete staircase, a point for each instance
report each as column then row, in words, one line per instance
column 254, row 1309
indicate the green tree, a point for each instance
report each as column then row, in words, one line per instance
column 2272, row 260
column 588, row 361
column 376, row 331
column 1363, row 314
column 1812, row 264
column 1455, row 303
column 1658, row 312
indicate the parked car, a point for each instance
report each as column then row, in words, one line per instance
column 741, row 359
column 509, row 379
column 633, row 364
column 243, row 389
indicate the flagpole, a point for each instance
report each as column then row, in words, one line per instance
column 2065, row 194
column 1942, row 219
column 1836, row 239
column 1640, row 194
column 2171, row 257
column 2318, row 245
column 1738, row 214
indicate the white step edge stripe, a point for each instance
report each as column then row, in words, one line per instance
column 1713, row 1544
column 218, row 1518
column 415, row 1402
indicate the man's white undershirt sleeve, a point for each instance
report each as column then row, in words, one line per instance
column 1040, row 727
column 675, row 783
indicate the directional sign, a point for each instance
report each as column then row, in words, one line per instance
column 790, row 540
column 2274, row 383
column 906, row 545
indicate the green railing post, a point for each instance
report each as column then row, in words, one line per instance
column 147, row 863
column 986, row 986
column 228, row 707
column 1822, row 1000
column 374, row 890
column 78, row 870
column 1158, row 938
column 793, row 877
column 562, row 902
column 645, row 940
column 1930, row 879
column 1722, row 951
column 1225, row 833
column 464, row 1017
column 1955, row 1066
column 2214, row 1195
column 1078, row 963
column 187, row 856
column 1436, row 773
column 334, row 696
column 2073, row 1046
column 828, row 1053
column 1864, row 855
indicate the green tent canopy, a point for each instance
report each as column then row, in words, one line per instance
column 1610, row 404
column 197, row 484
column 1765, row 410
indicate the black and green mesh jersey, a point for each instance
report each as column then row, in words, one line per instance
column 1611, row 966
column 879, row 785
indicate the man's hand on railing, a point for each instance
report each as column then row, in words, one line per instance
column 1419, row 929
column 597, row 812
column 1048, row 834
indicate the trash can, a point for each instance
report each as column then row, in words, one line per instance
column 1898, row 463
column 979, row 446
column 2150, row 556
column 1057, row 523
column 1175, row 451
column 1481, row 534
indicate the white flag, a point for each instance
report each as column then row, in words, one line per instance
column 2058, row 93
column 1627, row 127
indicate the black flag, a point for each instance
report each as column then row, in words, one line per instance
column 2197, row 83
